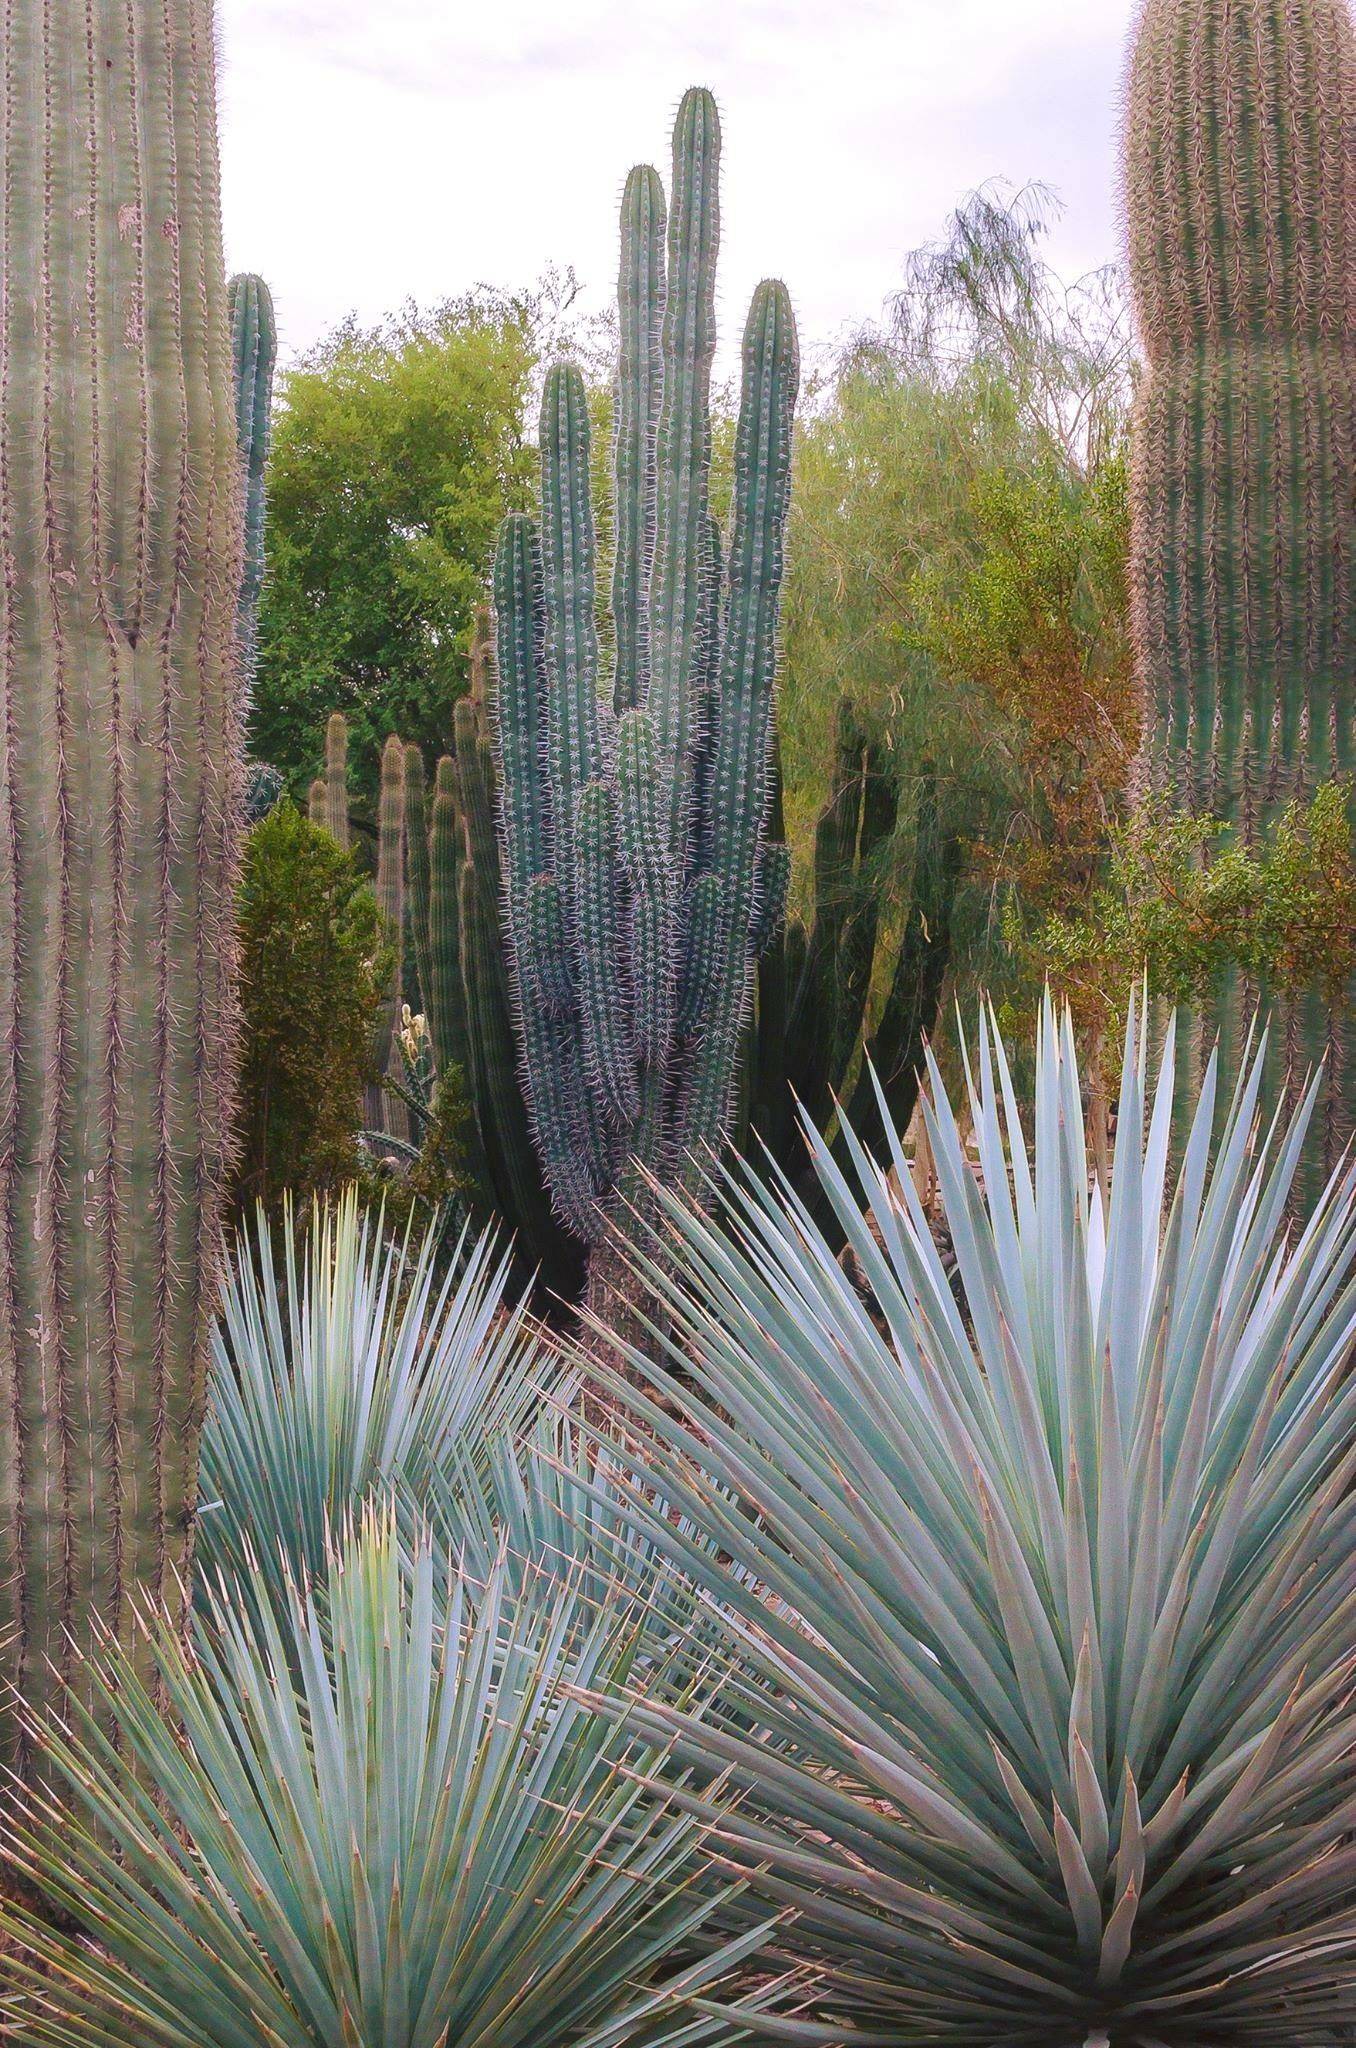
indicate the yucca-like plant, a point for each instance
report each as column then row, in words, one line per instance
column 1041, row 1593
column 344, row 1369
column 421, row 1840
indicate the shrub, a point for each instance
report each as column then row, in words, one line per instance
column 314, row 969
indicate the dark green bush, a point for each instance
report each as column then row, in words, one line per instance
column 314, row 967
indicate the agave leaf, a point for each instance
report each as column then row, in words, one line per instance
column 1037, row 1595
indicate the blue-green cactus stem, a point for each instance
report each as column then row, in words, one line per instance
column 746, row 681
column 574, row 747
column 640, row 387
column 520, row 606
column 681, row 580
column 609, row 1055
column 544, row 953
column 254, row 352
column 645, row 857
column 771, row 884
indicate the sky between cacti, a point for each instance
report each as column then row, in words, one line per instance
column 381, row 149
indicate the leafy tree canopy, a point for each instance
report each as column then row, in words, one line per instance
column 396, row 451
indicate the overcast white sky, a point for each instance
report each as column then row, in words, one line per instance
column 381, row 149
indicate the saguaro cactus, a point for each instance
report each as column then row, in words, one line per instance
column 633, row 818
column 120, row 568
column 1241, row 202
column 254, row 351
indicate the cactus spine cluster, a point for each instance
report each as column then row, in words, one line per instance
column 120, row 566
column 633, row 817
column 254, row 351
column 1241, row 204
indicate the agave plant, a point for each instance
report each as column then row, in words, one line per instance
column 343, row 1370
column 1040, row 1594
column 420, row 1840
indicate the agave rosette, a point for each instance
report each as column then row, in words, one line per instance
column 344, row 1369
column 1039, row 1587
column 393, row 1826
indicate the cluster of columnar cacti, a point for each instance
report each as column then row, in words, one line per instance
column 815, row 982
column 636, row 872
column 254, row 351
column 120, row 560
column 1241, row 202
column 453, row 917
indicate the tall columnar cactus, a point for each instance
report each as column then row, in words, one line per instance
column 120, row 564
column 391, row 904
column 1241, row 203
column 254, row 350
column 633, row 816
column 453, row 920
column 336, row 777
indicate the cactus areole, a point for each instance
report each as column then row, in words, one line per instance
column 120, row 546
column 633, row 807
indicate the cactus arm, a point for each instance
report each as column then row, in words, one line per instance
column 682, row 568
column 574, row 748
column 544, row 949
column 316, row 801
column 520, row 706
column 336, row 777
column 254, row 348
column 644, row 855
column 748, row 664
column 609, row 1055
column 640, row 384
column 772, row 883
column 391, row 904
column 443, row 997
column 418, row 870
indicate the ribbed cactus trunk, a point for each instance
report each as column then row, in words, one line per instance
column 384, row 1113
column 1241, row 202
column 120, row 555
column 254, row 352
column 633, row 815
column 336, row 777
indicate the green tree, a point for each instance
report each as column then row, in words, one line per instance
column 397, row 449
column 957, row 565
column 314, row 969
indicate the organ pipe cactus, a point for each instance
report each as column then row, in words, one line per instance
column 452, row 880
column 254, row 349
column 633, row 815
column 120, row 568
column 1241, row 201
